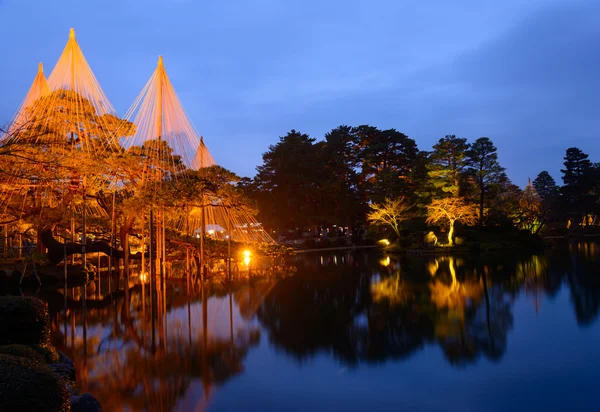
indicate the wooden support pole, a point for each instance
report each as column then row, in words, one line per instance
column 152, row 247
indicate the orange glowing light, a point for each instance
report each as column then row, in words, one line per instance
column 385, row 262
column 247, row 254
column 143, row 277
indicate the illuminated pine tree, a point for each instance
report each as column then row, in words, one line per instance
column 447, row 162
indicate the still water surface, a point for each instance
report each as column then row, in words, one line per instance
column 353, row 332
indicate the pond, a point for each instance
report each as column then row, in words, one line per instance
column 350, row 331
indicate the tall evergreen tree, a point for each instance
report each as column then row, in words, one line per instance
column 387, row 162
column 289, row 183
column 421, row 187
column 447, row 162
column 548, row 192
column 577, row 165
column 484, row 168
column 362, row 137
column 342, row 181
column 545, row 186
column 578, row 178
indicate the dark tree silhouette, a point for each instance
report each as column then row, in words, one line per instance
column 485, row 169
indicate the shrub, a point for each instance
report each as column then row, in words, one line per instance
column 48, row 352
column 30, row 386
column 23, row 352
column 430, row 239
column 24, row 320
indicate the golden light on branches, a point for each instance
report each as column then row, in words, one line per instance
column 449, row 211
column 211, row 204
column 392, row 212
column 530, row 210
column 67, row 132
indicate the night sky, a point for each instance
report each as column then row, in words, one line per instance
column 525, row 73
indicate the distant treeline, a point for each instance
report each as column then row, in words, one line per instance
column 304, row 183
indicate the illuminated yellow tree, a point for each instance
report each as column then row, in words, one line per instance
column 530, row 213
column 451, row 210
column 392, row 212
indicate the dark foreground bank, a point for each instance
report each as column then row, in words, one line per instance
column 33, row 375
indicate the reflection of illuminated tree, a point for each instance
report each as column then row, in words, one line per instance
column 471, row 319
column 359, row 313
column 392, row 290
column 323, row 310
column 531, row 274
column 250, row 297
column 451, row 301
column 575, row 267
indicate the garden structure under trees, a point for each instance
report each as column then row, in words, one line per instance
column 78, row 180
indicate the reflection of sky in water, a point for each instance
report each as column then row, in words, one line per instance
column 549, row 361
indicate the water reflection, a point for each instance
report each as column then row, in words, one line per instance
column 197, row 344
column 358, row 308
column 384, row 308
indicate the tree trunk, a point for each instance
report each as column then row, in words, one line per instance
column 487, row 309
column 451, row 233
column 124, row 233
column 397, row 231
column 125, row 245
column 481, row 199
column 56, row 249
column 41, row 248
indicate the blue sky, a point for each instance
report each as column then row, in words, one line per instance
column 525, row 73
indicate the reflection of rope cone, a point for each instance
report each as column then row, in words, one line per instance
column 249, row 299
column 127, row 376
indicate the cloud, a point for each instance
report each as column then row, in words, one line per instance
column 533, row 89
column 523, row 73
